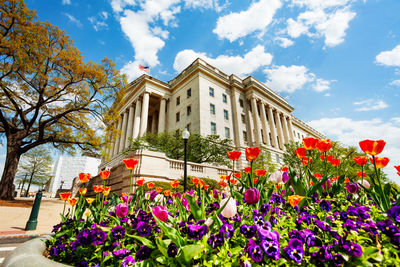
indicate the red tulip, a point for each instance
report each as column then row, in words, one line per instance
column 82, row 191
column 306, row 160
column 130, row 163
column 233, row 155
column 252, row 153
column 346, row 180
column 260, row 172
column 300, row 152
column 84, row 177
column 324, row 145
column 284, row 168
column 255, row 180
column 361, row 160
column 247, row 169
column 98, row 188
column 174, row 183
column 195, row 181
column 150, row 185
column 328, row 157
column 380, row 162
column 238, row 175
column 361, row 174
column 317, row 175
column 310, row 143
column 65, row 196
column 72, row 201
column 398, row 169
column 140, row 181
column 335, row 162
column 104, row 174
column 372, row 147
column 222, row 183
column 206, row 186
column 159, row 189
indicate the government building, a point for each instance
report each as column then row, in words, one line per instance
column 207, row 101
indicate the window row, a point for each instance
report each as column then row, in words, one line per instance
column 188, row 112
column 211, row 93
column 212, row 112
column 214, row 130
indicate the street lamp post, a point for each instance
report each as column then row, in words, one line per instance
column 185, row 136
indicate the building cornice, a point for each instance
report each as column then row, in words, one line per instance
column 299, row 123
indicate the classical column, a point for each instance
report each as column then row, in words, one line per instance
column 249, row 124
column 274, row 136
column 256, row 121
column 285, row 129
column 153, row 123
column 279, row 128
column 136, row 123
column 264, row 123
column 130, row 125
column 290, row 125
column 118, row 137
column 161, row 116
column 235, row 119
column 145, row 114
column 123, row 132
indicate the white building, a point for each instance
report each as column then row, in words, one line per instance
column 207, row 101
column 67, row 168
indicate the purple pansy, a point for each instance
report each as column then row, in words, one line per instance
column 353, row 249
column 295, row 250
column 128, row 261
column 118, row 232
column 271, row 248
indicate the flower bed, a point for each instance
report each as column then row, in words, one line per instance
column 258, row 219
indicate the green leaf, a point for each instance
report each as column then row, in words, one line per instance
column 387, row 189
column 194, row 208
column 172, row 233
column 191, row 251
column 162, row 246
column 142, row 239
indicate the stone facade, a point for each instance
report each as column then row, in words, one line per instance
column 207, row 101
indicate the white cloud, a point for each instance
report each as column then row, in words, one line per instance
column 327, row 18
column 395, row 83
column 237, row 65
column 396, row 120
column 256, row 18
column 389, row 58
column 292, row 78
column 351, row 132
column 132, row 71
column 73, row 20
column 370, row 104
column 206, row 4
column 119, row 5
column 99, row 21
column 66, row 2
column 284, row 42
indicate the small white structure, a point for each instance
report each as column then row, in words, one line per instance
column 67, row 168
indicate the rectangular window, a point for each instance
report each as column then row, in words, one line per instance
column 178, row 100
column 277, row 158
column 241, row 102
column 226, row 116
column 189, row 93
column 245, row 136
column 213, row 128
column 212, row 109
column 178, row 117
column 188, row 127
column 243, row 118
column 224, row 98
column 227, row 133
column 188, row 110
column 211, row 90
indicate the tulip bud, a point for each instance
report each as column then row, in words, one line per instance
column 161, row 213
column 252, row 195
column 230, row 209
column 365, row 183
column 121, row 210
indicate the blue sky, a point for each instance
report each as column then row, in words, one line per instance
column 336, row 61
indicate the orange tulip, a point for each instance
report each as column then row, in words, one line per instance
column 82, row 191
column 224, row 177
column 247, row 169
column 300, row 152
column 174, row 183
column 72, row 201
column 130, row 163
column 335, row 162
column 140, row 181
column 317, row 175
column 284, row 168
column 294, row 200
column 104, row 174
column 195, row 181
column 206, row 186
column 238, row 175
column 233, row 181
column 361, row 160
column 380, row 162
column 106, row 190
column 311, row 183
column 361, row 174
column 222, row 183
column 371, row 147
column 150, row 185
column 306, row 160
column 233, row 155
column 167, row 193
column 346, row 180
column 84, row 177
column 98, row 188
column 324, row 145
column 310, row 143
column 159, row 189
column 252, row 153
column 65, row 196
column 89, row 200
column 260, row 172
column 334, row 179
column 255, row 180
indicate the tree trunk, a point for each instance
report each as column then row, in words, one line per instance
column 29, row 185
column 10, row 169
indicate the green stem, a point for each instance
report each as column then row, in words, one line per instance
column 64, row 208
column 130, row 183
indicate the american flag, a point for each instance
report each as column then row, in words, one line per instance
column 144, row 68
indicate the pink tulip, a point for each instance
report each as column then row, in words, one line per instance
column 121, row 210
column 230, row 209
column 161, row 213
column 327, row 185
column 276, row 177
column 365, row 183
